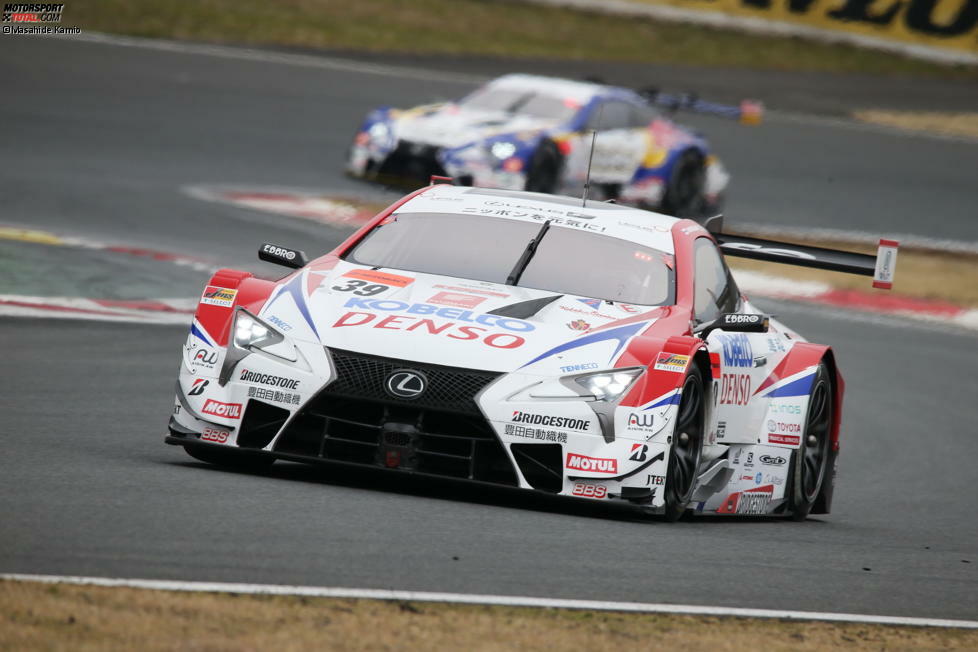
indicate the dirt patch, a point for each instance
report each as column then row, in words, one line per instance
column 57, row 616
column 948, row 124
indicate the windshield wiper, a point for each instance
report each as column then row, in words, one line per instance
column 531, row 248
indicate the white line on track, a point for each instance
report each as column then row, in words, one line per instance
column 475, row 598
column 423, row 74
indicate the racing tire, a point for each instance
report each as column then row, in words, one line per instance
column 684, row 191
column 230, row 458
column 687, row 445
column 543, row 172
column 810, row 462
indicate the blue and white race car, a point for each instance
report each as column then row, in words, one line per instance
column 524, row 132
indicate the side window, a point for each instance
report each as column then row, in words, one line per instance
column 642, row 116
column 714, row 290
column 610, row 115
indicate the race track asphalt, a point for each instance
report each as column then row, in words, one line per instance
column 99, row 140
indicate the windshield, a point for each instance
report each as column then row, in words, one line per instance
column 523, row 102
column 481, row 248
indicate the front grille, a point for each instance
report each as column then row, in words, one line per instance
column 449, row 388
column 442, row 432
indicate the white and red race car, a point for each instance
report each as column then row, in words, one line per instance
column 526, row 340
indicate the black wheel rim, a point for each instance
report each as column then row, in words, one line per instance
column 815, row 446
column 686, row 441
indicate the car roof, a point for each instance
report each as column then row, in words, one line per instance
column 579, row 91
column 603, row 218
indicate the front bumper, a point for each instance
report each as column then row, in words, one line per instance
column 411, row 164
column 407, row 164
column 447, row 433
column 443, row 433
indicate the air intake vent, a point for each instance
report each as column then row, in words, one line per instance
column 541, row 465
column 260, row 424
column 377, row 434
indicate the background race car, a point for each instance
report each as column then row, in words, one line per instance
column 528, row 132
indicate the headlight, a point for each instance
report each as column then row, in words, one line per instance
column 607, row 385
column 250, row 332
column 502, row 150
column 379, row 131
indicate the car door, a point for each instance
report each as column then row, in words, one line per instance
column 739, row 360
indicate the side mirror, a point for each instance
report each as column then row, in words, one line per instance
column 736, row 322
column 271, row 253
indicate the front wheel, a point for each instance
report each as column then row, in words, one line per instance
column 684, row 191
column 687, row 445
column 811, row 459
column 543, row 173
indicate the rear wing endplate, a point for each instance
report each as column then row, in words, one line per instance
column 881, row 267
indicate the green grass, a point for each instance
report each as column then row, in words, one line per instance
column 480, row 27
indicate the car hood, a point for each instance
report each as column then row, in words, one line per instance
column 452, row 322
column 450, row 126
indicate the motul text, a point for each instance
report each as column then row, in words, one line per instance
column 226, row 410
column 595, row 464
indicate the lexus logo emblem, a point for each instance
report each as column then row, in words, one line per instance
column 404, row 383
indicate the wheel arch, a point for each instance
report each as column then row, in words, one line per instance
column 701, row 359
column 687, row 148
column 823, row 503
column 806, row 355
column 644, row 351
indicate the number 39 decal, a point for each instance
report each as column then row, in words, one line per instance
column 362, row 288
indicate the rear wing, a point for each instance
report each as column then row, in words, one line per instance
column 749, row 112
column 881, row 267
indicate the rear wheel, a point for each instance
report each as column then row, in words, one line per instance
column 543, row 173
column 687, row 445
column 811, row 459
column 684, row 191
column 230, row 458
